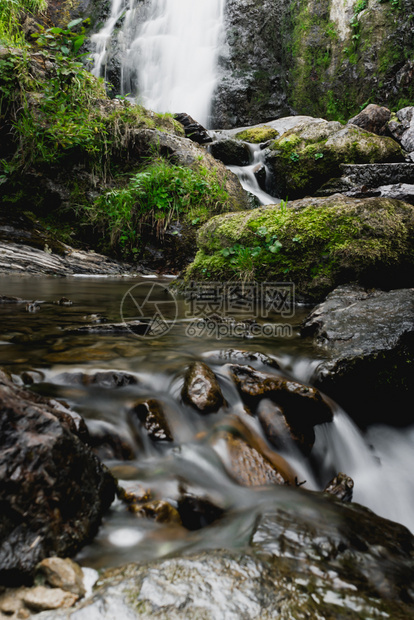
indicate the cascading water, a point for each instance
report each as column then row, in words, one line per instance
column 169, row 51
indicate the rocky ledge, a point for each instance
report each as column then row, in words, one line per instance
column 367, row 337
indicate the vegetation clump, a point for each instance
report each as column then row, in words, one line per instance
column 155, row 196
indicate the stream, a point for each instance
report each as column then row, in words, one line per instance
column 44, row 344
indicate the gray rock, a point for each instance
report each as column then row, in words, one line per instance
column 390, row 180
column 367, row 338
column 313, row 558
column 403, row 131
column 373, row 118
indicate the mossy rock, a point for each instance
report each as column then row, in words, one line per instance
column 316, row 243
column 308, row 155
column 256, row 135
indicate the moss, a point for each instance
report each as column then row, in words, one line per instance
column 324, row 242
column 310, row 154
column 256, row 135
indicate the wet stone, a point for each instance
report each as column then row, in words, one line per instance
column 53, row 490
column 160, row 511
column 201, row 389
column 153, row 419
column 341, row 486
column 197, row 512
column 279, row 432
column 246, row 456
column 62, row 573
column 41, row 598
column 241, row 356
column 302, row 404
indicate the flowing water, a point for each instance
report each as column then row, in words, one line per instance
column 168, row 52
column 380, row 461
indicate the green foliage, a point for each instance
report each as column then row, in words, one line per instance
column 11, row 12
column 62, row 40
column 154, row 197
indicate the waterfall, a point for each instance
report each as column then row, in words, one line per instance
column 169, row 52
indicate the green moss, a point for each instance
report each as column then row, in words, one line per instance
column 256, row 135
column 310, row 154
column 323, row 242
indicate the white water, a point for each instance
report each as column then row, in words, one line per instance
column 380, row 463
column 101, row 39
column 247, row 178
column 169, row 53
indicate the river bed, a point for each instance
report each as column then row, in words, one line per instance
column 44, row 342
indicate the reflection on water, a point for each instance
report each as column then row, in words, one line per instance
column 45, row 342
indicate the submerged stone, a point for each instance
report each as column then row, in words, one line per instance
column 153, row 419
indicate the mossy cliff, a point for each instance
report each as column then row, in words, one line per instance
column 316, row 243
column 318, row 57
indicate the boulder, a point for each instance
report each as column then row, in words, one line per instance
column 201, row 389
column 53, row 489
column 403, row 129
column 373, row 118
column 193, row 130
column 230, row 152
column 315, row 243
column 312, row 557
column 305, row 157
column 367, row 339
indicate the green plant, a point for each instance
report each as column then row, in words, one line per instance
column 61, row 40
column 154, row 197
column 11, row 12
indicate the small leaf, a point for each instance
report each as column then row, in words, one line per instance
column 74, row 22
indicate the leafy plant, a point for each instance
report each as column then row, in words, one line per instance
column 62, row 40
column 11, row 12
column 154, row 197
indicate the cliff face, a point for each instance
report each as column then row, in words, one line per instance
column 316, row 57
column 345, row 53
column 252, row 64
column 319, row 57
